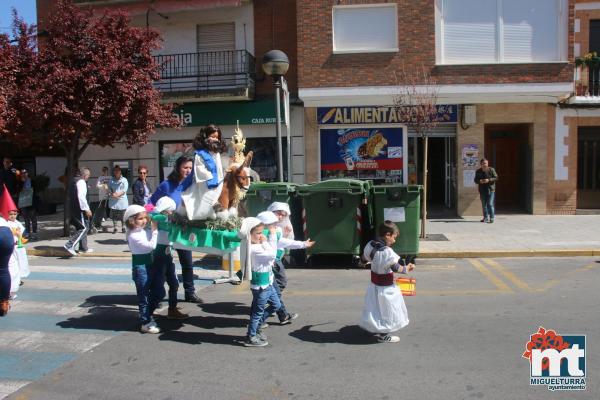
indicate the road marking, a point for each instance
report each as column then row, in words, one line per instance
column 499, row 283
column 8, row 386
column 508, row 275
column 112, row 287
column 360, row 293
column 55, row 342
column 80, row 270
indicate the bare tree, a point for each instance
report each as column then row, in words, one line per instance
column 415, row 101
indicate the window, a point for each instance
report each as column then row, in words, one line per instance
column 365, row 28
column 501, row 31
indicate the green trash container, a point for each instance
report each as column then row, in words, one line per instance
column 261, row 194
column 336, row 213
column 402, row 205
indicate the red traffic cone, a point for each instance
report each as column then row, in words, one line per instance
column 6, row 203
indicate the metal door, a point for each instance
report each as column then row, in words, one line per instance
column 450, row 171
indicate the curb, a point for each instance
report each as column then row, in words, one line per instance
column 511, row 253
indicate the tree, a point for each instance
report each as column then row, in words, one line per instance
column 90, row 82
column 416, row 104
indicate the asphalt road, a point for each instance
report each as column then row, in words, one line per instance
column 469, row 324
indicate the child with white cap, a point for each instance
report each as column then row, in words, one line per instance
column 149, row 282
column 265, row 299
column 163, row 258
column 270, row 220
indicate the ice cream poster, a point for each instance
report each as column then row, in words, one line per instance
column 362, row 149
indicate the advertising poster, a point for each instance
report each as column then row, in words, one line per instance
column 470, row 156
column 370, row 153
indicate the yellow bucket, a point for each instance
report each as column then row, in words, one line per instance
column 408, row 286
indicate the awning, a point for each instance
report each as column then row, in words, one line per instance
column 162, row 6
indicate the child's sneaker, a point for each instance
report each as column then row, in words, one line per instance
column 288, row 319
column 70, row 250
column 175, row 313
column 4, row 307
column 255, row 341
column 261, row 335
column 381, row 338
column 150, row 327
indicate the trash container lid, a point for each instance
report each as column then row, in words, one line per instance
column 353, row 186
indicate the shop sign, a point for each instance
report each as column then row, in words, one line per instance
column 226, row 113
column 362, row 149
column 375, row 115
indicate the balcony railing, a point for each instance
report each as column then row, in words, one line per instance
column 587, row 83
column 206, row 74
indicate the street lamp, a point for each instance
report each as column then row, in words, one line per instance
column 276, row 63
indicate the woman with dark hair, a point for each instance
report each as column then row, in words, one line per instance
column 201, row 190
column 141, row 188
column 172, row 187
column 6, row 249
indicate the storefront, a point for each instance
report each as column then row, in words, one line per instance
column 255, row 118
column 371, row 142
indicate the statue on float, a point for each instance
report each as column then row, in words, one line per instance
column 210, row 192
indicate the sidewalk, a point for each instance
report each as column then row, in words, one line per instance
column 509, row 236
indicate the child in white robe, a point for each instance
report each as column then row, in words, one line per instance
column 18, row 264
column 384, row 310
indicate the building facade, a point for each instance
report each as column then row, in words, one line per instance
column 211, row 56
column 501, row 70
column 576, row 183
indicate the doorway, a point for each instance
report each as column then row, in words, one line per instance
column 588, row 168
column 441, row 180
column 508, row 150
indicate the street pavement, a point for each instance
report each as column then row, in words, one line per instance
column 66, row 308
column 512, row 235
column 72, row 334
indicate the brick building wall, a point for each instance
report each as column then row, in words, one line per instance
column 319, row 67
column 275, row 28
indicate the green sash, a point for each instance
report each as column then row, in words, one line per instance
column 260, row 278
column 141, row 259
column 280, row 252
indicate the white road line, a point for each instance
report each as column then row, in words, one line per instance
column 77, row 308
column 9, row 386
column 80, row 270
column 112, row 287
column 51, row 341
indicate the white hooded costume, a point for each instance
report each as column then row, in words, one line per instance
column 384, row 310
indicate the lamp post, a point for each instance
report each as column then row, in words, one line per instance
column 276, row 63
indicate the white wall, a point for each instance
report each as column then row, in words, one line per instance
column 179, row 31
column 53, row 167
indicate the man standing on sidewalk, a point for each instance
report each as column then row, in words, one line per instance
column 80, row 213
column 485, row 178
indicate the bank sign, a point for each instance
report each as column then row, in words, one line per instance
column 362, row 149
column 375, row 115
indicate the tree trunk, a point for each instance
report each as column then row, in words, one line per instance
column 71, row 153
column 425, row 172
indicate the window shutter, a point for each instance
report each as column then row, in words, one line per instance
column 216, row 37
column 530, row 30
column 216, row 45
column 469, row 31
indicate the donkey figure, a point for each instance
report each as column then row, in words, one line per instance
column 235, row 185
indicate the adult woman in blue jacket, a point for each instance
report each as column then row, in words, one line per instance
column 172, row 187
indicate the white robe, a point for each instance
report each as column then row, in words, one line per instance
column 384, row 309
column 18, row 265
column 198, row 198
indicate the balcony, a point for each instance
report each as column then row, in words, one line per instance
column 587, row 81
column 207, row 76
